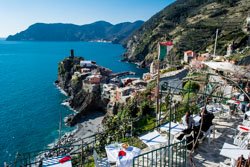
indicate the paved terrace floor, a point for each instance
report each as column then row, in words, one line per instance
column 209, row 155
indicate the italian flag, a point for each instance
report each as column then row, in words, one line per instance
column 164, row 49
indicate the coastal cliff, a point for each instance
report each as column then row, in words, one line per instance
column 84, row 96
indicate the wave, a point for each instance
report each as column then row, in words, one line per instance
column 61, row 90
column 66, row 103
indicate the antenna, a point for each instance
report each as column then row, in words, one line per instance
column 215, row 44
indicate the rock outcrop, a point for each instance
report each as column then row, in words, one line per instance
column 84, row 97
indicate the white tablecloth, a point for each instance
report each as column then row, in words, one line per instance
column 112, row 151
column 175, row 128
column 214, row 108
column 233, row 152
column 153, row 138
column 54, row 162
column 231, row 102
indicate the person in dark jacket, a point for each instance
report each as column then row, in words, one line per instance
column 207, row 119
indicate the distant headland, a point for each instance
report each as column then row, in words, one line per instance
column 97, row 31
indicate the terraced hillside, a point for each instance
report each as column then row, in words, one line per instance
column 191, row 24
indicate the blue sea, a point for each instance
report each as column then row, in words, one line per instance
column 30, row 103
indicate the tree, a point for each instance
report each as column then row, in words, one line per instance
column 191, row 86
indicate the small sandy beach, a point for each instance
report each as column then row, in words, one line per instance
column 89, row 125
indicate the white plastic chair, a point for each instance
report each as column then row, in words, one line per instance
column 100, row 162
column 207, row 134
column 241, row 141
column 246, row 123
column 224, row 165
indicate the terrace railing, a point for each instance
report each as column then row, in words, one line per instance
column 174, row 155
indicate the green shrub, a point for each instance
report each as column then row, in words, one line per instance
column 189, row 97
column 145, row 124
column 191, row 86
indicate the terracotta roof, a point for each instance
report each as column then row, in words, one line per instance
column 188, row 51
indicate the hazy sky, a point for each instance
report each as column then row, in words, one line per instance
column 17, row 15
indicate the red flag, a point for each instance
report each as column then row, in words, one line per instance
column 168, row 43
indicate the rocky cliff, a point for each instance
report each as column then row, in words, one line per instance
column 191, row 24
column 83, row 96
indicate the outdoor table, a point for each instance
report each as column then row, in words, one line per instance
column 214, row 108
column 174, row 129
column 232, row 102
column 233, row 152
column 152, row 139
column 112, row 151
column 54, row 162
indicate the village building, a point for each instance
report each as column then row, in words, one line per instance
column 139, row 83
column 94, row 79
column 85, row 70
column 147, row 76
column 87, row 64
column 124, row 94
column 189, row 55
column 128, row 81
column 196, row 64
column 109, row 91
column 115, row 81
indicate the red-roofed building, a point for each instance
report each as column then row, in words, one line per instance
column 189, row 55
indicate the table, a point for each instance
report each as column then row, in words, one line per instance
column 112, row 151
column 174, row 129
column 54, row 162
column 233, row 152
column 232, row 102
column 214, row 108
column 153, row 139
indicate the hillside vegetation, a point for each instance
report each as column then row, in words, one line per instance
column 191, row 24
column 100, row 30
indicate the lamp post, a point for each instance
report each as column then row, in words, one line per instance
column 164, row 86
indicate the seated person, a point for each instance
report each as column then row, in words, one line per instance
column 207, row 118
column 190, row 139
column 188, row 120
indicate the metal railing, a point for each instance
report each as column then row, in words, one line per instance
column 79, row 148
column 174, row 155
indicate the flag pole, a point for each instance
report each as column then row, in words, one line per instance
column 157, row 87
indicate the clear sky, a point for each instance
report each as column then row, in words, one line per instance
column 17, row 15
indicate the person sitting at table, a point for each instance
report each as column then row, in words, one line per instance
column 188, row 120
column 207, row 119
